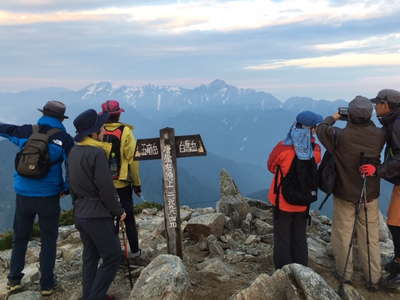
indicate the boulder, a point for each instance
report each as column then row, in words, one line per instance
column 231, row 203
column 384, row 233
column 263, row 228
column 218, row 267
column 246, row 224
column 312, row 285
column 27, row 295
column 165, row 278
column 214, row 246
column 350, row 293
column 204, row 225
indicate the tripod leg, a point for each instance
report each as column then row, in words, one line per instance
column 368, row 244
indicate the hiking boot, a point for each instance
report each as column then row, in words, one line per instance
column 13, row 286
column 132, row 255
column 47, row 292
column 392, row 267
column 391, row 282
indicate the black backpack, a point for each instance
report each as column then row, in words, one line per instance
column 299, row 186
column 114, row 160
column 327, row 173
column 33, row 161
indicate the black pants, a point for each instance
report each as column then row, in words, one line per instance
column 290, row 242
column 395, row 231
column 99, row 241
column 48, row 210
column 125, row 196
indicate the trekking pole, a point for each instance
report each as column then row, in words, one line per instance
column 357, row 213
column 125, row 244
column 367, row 231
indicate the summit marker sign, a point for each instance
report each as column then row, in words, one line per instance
column 168, row 148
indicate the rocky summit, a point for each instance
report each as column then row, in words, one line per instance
column 227, row 255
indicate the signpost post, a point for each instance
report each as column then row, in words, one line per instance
column 168, row 148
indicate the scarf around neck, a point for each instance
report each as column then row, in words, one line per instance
column 300, row 138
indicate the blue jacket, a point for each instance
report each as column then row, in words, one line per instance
column 59, row 146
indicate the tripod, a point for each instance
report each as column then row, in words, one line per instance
column 362, row 201
column 125, row 246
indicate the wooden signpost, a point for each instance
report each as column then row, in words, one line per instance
column 167, row 148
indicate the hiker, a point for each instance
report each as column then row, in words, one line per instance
column 39, row 184
column 95, row 204
column 290, row 220
column 124, row 169
column 359, row 143
column 387, row 106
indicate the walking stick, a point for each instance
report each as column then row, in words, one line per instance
column 367, row 231
column 125, row 245
column 357, row 213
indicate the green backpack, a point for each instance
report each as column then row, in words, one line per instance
column 33, row 160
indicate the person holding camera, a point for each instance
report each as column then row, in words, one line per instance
column 356, row 149
column 387, row 106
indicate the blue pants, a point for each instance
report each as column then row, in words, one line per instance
column 99, row 241
column 48, row 210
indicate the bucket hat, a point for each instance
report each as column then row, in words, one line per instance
column 112, row 107
column 308, row 118
column 88, row 122
column 54, row 109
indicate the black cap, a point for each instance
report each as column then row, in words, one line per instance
column 387, row 95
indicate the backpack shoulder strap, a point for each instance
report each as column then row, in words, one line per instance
column 52, row 131
column 277, row 187
column 35, row 129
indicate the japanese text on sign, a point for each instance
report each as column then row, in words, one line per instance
column 188, row 146
column 170, row 188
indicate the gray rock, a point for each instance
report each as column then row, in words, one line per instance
column 214, row 246
column 263, row 228
column 252, row 239
column 350, row 293
column 313, row 286
column 246, row 224
column 384, row 233
column 264, row 205
column 216, row 266
column 150, row 211
column 264, row 215
column 231, row 203
column 27, row 295
column 204, row 225
column 266, row 287
column 165, row 278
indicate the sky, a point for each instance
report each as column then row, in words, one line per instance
column 326, row 49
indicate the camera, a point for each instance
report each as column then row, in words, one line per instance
column 344, row 113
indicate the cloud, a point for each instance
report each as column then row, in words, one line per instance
column 334, row 61
column 386, row 41
column 213, row 15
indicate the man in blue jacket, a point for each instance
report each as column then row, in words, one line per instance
column 39, row 196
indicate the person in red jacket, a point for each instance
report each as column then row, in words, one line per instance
column 290, row 221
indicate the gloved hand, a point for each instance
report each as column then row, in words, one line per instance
column 367, row 170
column 137, row 189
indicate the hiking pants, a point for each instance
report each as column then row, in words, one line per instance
column 342, row 227
column 125, row 197
column 48, row 211
column 99, row 241
column 290, row 242
column 393, row 220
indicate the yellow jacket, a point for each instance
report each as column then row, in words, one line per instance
column 129, row 171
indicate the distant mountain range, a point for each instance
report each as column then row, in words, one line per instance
column 239, row 128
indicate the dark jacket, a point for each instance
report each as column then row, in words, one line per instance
column 60, row 144
column 351, row 141
column 390, row 169
column 92, row 188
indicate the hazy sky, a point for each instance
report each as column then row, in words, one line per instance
column 320, row 48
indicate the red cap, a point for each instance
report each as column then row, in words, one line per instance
column 112, row 107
